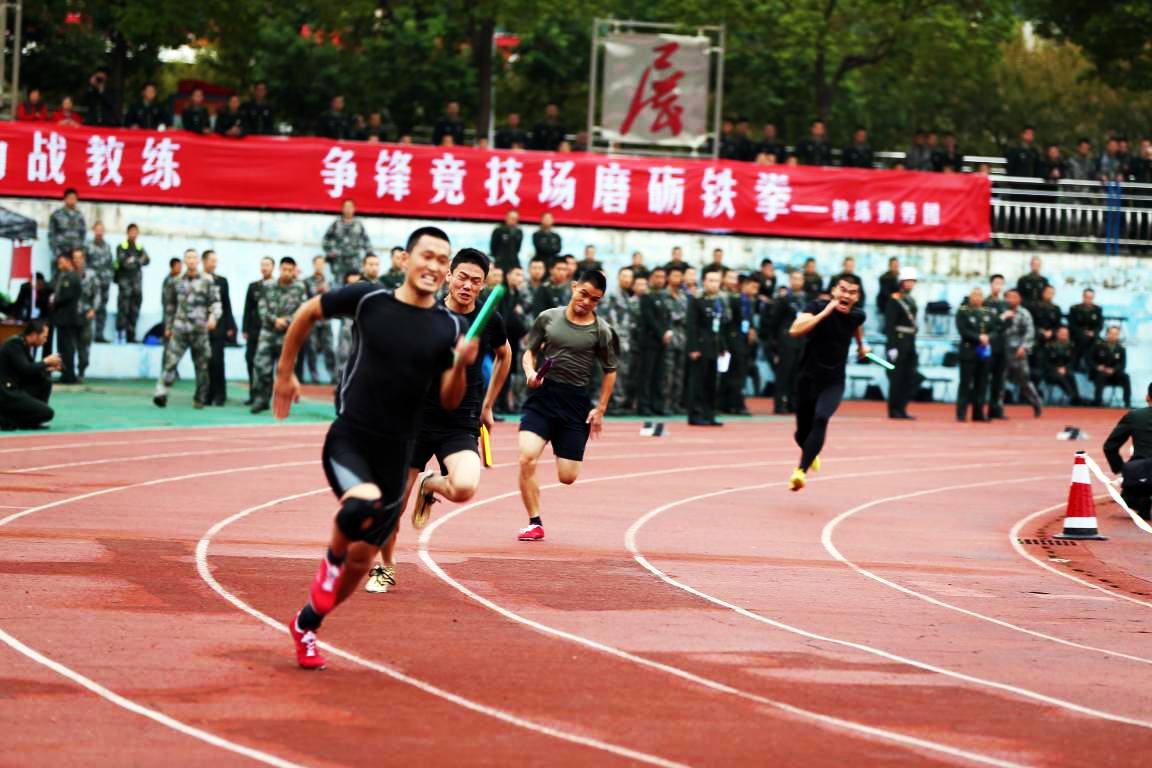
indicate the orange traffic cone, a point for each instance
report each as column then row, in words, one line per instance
column 1080, row 519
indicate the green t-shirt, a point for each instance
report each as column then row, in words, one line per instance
column 576, row 348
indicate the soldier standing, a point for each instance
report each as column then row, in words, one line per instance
column 66, row 227
column 317, row 284
column 676, row 350
column 707, row 315
column 786, row 348
column 1057, row 357
column 1031, row 285
column 889, row 284
column 976, row 326
column 1019, row 336
column 545, row 240
column 998, row 363
column 631, row 352
column 394, row 277
column 346, row 242
column 168, row 298
column 504, row 247
column 89, row 294
column 130, row 260
column 1047, row 318
column 101, row 264
column 741, row 341
column 813, row 283
column 654, row 333
column 1108, row 363
column 66, row 315
column 900, row 343
column 193, row 316
column 251, row 322
column 279, row 300
column 557, row 292
column 1085, row 321
column 223, row 334
column 616, row 313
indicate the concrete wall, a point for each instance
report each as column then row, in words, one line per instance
column 241, row 238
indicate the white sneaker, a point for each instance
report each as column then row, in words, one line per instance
column 381, row 579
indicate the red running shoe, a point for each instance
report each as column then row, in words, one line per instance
column 532, row 533
column 307, row 655
column 322, row 595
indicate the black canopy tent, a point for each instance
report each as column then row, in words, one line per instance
column 15, row 226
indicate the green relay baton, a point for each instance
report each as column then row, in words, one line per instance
column 485, row 313
column 880, row 362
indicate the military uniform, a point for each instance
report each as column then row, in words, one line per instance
column 785, row 350
column 66, row 231
column 900, row 342
column 89, row 295
column 1031, row 287
column 889, row 284
column 1137, row 426
column 321, row 339
column 504, row 246
column 998, row 363
column 546, row 244
column 1108, row 355
column 66, row 291
column 168, row 301
column 393, row 279
column 739, row 334
column 707, row 316
column 130, row 259
column 975, row 360
column 25, row 386
column 251, row 329
column 813, row 284
column 1046, row 317
column 276, row 301
column 675, row 351
column 1058, row 356
column 654, row 324
column 345, row 244
column 1018, row 333
column 620, row 314
column 102, row 266
column 1085, row 321
column 550, row 296
column 190, row 304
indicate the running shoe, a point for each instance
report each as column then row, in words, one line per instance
column 532, row 533
column 798, row 479
column 382, row 578
column 424, row 501
column 307, row 655
column 815, row 465
column 322, row 595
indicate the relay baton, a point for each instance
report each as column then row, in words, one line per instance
column 544, row 368
column 485, row 313
column 880, row 361
column 485, row 446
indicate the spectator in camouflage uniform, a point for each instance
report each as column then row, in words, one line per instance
column 394, row 278
column 168, row 296
column 344, row 339
column 89, row 295
column 66, row 227
column 346, row 242
column 675, row 352
column 101, row 265
column 317, row 285
column 192, row 309
column 130, row 259
column 370, row 268
column 616, row 312
column 279, row 300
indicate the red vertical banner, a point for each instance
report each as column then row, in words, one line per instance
column 21, row 261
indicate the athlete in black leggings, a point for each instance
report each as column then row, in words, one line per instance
column 830, row 327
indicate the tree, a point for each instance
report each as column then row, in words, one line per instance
column 1115, row 35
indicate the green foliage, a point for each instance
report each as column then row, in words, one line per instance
column 1115, row 36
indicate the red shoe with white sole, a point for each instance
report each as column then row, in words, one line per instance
column 307, row 655
column 322, row 595
column 532, row 533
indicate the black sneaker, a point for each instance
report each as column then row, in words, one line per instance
column 160, row 401
column 259, row 407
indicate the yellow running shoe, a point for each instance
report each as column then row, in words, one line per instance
column 382, row 578
column 815, row 465
column 424, row 501
column 798, row 479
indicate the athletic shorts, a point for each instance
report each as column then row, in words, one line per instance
column 559, row 413
column 354, row 456
column 442, row 444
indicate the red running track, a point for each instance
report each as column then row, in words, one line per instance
column 686, row 608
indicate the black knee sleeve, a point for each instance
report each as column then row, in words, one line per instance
column 358, row 516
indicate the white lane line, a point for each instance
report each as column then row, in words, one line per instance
column 110, row 695
column 1014, row 534
column 830, row 528
column 151, row 456
column 185, row 439
column 805, row 714
column 433, row 690
column 630, row 542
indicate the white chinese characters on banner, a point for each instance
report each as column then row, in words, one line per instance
column 503, row 182
column 931, row 215
column 718, row 190
column 160, row 167
column 104, row 156
column 448, row 179
column 907, row 213
column 840, row 210
column 339, row 171
column 3, row 159
column 862, row 212
column 46, row 160
column 885, row 212
column 666, row 190
column 613, row 188
column 773, row 195
column 557, row 187
column 394, row 174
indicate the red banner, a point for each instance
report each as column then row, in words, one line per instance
column 307, row 174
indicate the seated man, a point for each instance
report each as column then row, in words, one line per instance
column 1137, row 427
column 1058, row 356
column 25, row 384
column 1108, row 362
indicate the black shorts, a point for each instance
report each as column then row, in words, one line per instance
column 354, row 456
column 442, row 444
column 559, row 414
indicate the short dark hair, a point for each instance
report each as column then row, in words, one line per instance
column 132, row 227
column 1011, row 290
column 71, row 191
column 287, row 260
column 673, row 268
column 1083, row 140
column 471, row 256
column 712, row 268
column 765, row 262
column 397, row 248
column 850, row 279
column 433, row 232
column 997, row 275
column 593, row 277
column 1090, row 290
column 174, row 261
column 33, row 327
column 369, row 255
column 267, row 258
column 658, row 268
column 539, row 258
column 747, row 278
column 628, row 268
column 351, row 273
column 207, row 253
column 64, row 255
column 809, row 260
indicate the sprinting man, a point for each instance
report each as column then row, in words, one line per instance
column 404, row 344
column 830, row 326
column 558, row 410
column 452, row 437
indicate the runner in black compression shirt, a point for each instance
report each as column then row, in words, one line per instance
column 404, row 343
column 451, row 436
column 830, row 327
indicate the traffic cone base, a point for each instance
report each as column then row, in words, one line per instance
column 1080, row 518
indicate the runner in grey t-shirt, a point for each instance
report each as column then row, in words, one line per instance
column 558, row 409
